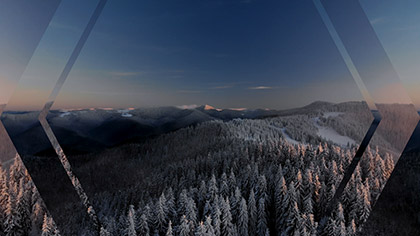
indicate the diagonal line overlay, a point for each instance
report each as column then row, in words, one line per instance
column 376, row 115
column 43, row 115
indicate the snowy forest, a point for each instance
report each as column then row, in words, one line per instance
column 241, row 177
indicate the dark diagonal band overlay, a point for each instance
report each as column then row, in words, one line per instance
column 371, row 67
column 375, row 113
column 352, row 167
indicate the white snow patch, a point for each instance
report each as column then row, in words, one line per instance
column 66, row 113
column 125, row 113
column 330, row 134
column 332, row 114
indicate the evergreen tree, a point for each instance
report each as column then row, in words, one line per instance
column 209, row 227
column 351, row 229
column 104, row 232
column 340, row 221
column 224, row 187
column 261, row 191
column 310, row 225
column 364, row 205
column 23, row 207
column 13, row 222
column 4, row 197
column 294, row 221
column 200, row 230
column 143, row 226
column 280, row 196
column 48, row 228
column 160, row 216
column 262, row 218
column 331, row 228
column 236, row 202
column 288, row 207
column 216, row 217
column 184, row 228
column 170, row 204
column 212, row 189
column 243, row 218
column 252, row 214
column 37, row 217
column 191, row 213
column 131, row 221
column 226, row 226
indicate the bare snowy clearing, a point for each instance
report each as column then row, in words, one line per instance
column 332, row 135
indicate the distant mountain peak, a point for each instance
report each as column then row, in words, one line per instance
column 208, row 107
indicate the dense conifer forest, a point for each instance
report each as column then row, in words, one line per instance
column 240, row 177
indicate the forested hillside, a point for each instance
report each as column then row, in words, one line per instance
column 271, row 176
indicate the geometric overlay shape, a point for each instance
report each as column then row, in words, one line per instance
column 16, row 49
column 378, row 75
column 47, row 173
column 397, row 210
column 16, row 45
column 43, row 115
column 368, row 136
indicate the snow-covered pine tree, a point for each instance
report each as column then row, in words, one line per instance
column 252, row 213
column 192, row 213
column 262, row 218
column 227, row 228
column 310, row 225
column 280, row 195
column 48, row 228
column 184, row 228
column 294, row 221
column 131, row 221
column 170, row 204
column 236, row 201
column 299, row 188
column 209, row 227
column 200, row 229
column 364, row 205
column 4, row 197
column 331, row 228
column 13, row 222
column 37, row 217
column 224, row 187
column 143, row 226
column 216, row 214
column 160, row 215
column 104, row 232
column 288, row 206
column 243, row 218
column 261, row 191
column 351, row 229
column 340, row 221
column 213, row 190
column 23, row 206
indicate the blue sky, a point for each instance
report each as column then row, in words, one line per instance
column 397, row 25
column 231, row 53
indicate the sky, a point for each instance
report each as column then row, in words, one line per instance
column 229, row 54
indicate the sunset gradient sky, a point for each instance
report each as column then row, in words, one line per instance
column 230, row 53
